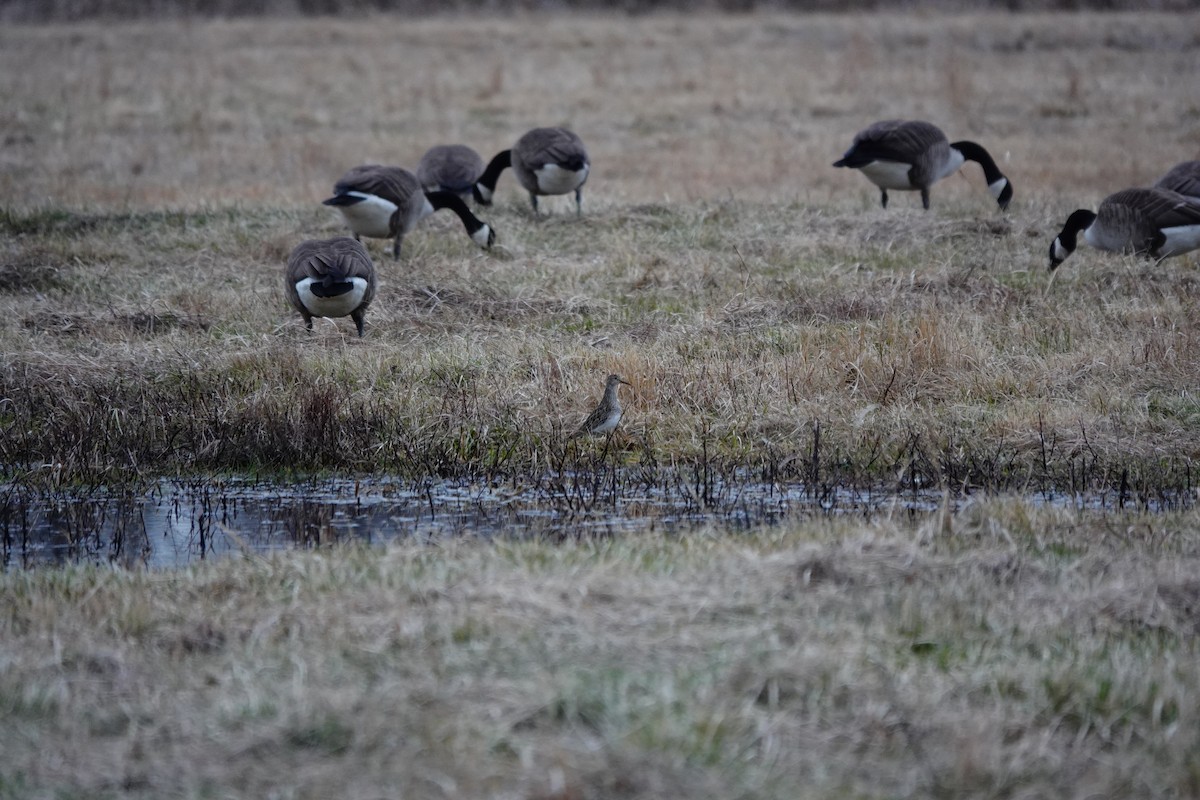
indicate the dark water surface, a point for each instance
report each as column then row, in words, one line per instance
column 179, row 522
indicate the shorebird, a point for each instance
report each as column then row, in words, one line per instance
column 607, row 414
column 330, row 278
column 910, row 155
column 546, row 161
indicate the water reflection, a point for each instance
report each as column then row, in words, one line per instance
column 179, row 522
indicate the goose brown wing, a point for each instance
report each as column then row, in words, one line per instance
column 339, row 258
column 895, row 140
column 1135, row 218
column 391, row 183
column 1158, row 208
column 453, row 168
column 306, row 261
column 1185, row 211
column 543, row 146
column 1183, row 178
column 352, row 260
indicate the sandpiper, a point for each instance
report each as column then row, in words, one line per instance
column 608, row 413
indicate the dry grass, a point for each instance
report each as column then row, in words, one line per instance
column 155, row 176
column 1002, row 652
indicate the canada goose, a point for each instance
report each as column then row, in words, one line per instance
column 1155, row 222
column 383, row 202
column 909, row 155
column 545, row 161
column 330, row 278
column 1183, row 178
column 450, row 168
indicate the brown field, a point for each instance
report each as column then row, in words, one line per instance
column 154, row 177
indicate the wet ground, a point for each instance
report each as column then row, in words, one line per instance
column 178, row 522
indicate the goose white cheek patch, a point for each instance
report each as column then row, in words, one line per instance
column 997, row 187
column 1060, row 252
column 483, row 236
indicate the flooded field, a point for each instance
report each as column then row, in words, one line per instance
column 177, row 522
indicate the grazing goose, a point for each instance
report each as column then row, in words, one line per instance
column 545, row 161
column 909, row 155
column 1183, row 178
column 450, row 168
column 330, row 278
column 1154, row 222
column 386, row 202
